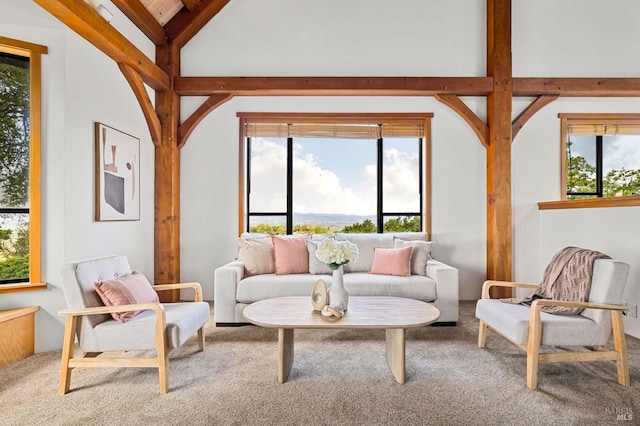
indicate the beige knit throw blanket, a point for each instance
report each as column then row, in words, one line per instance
column 567, row 277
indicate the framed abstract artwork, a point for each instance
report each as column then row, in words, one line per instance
column 117, row 174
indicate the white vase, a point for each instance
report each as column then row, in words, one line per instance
column 338, row 293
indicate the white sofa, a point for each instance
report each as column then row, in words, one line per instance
column 234, row 289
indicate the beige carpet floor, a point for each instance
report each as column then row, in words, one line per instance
column 338, row 378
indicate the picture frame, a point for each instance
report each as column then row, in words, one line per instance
column 117, row 178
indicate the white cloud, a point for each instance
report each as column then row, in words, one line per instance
column 319, row 190
column 622, row 151
column 400, row 181
column 268, row 176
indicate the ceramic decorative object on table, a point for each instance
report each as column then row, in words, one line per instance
column 336, row 254
column 319, row 296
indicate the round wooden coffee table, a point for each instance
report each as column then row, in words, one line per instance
column 393, row 314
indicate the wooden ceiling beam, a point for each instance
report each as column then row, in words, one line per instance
column 143, row 19
column 577, row 87
column 192, row 5
column 333, row 86
column 85, row 21
column 186, row 23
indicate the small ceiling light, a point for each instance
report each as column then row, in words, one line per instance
column 104, row 13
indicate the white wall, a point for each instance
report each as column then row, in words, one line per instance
column 80, row 86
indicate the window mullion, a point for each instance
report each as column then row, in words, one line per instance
column 599, row 166
column 289, row 186
column 248, row 190
column 420, row 179
column 380, row 177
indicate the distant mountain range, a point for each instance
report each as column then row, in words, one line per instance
column 330, row 219
column 322, row 219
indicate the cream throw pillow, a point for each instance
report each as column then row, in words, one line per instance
column 257, row 255
column 366, row 244
column 420, row 254
column 316, row 266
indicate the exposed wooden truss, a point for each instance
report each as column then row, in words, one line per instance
column 499, row 104
column 170, row 24
column 81, row 18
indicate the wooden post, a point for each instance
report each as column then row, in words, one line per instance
column 167, row 177
column 499, row 227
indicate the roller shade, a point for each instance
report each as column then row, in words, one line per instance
column 335, row 131
column 583, row 129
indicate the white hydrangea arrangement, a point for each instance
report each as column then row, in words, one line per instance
column 336, row 253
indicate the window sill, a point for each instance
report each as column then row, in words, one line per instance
column 20, row 287
column 591, row 203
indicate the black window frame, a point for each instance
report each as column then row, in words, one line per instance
column 380, row 213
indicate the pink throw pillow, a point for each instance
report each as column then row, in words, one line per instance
column 127, row 290
column 291, row 254
column 392, row 261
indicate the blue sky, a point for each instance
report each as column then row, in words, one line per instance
column 334, row 175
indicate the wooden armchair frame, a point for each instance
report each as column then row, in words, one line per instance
column 534, row 357
column 88, row 359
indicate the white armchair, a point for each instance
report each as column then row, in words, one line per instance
column 529, row 328
column 159, row 326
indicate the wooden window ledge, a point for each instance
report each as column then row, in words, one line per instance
column 591, row 203
column 19, row 287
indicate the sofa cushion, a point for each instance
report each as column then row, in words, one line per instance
column 316, row 266
column 392, row 261
column 257, row 255
column 129, row 289
column 413, row 287
column 366, row 243
column 266, row 286
column 290, row 254
column 419, row 255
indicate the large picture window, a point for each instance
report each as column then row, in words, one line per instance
column 601, row 155
column 19, row 164
column 321, row 173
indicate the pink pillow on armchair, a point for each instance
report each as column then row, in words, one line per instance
column 392, row 261
column 129, row 289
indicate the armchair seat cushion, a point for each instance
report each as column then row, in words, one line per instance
column 183, row 320
column 557, row 330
